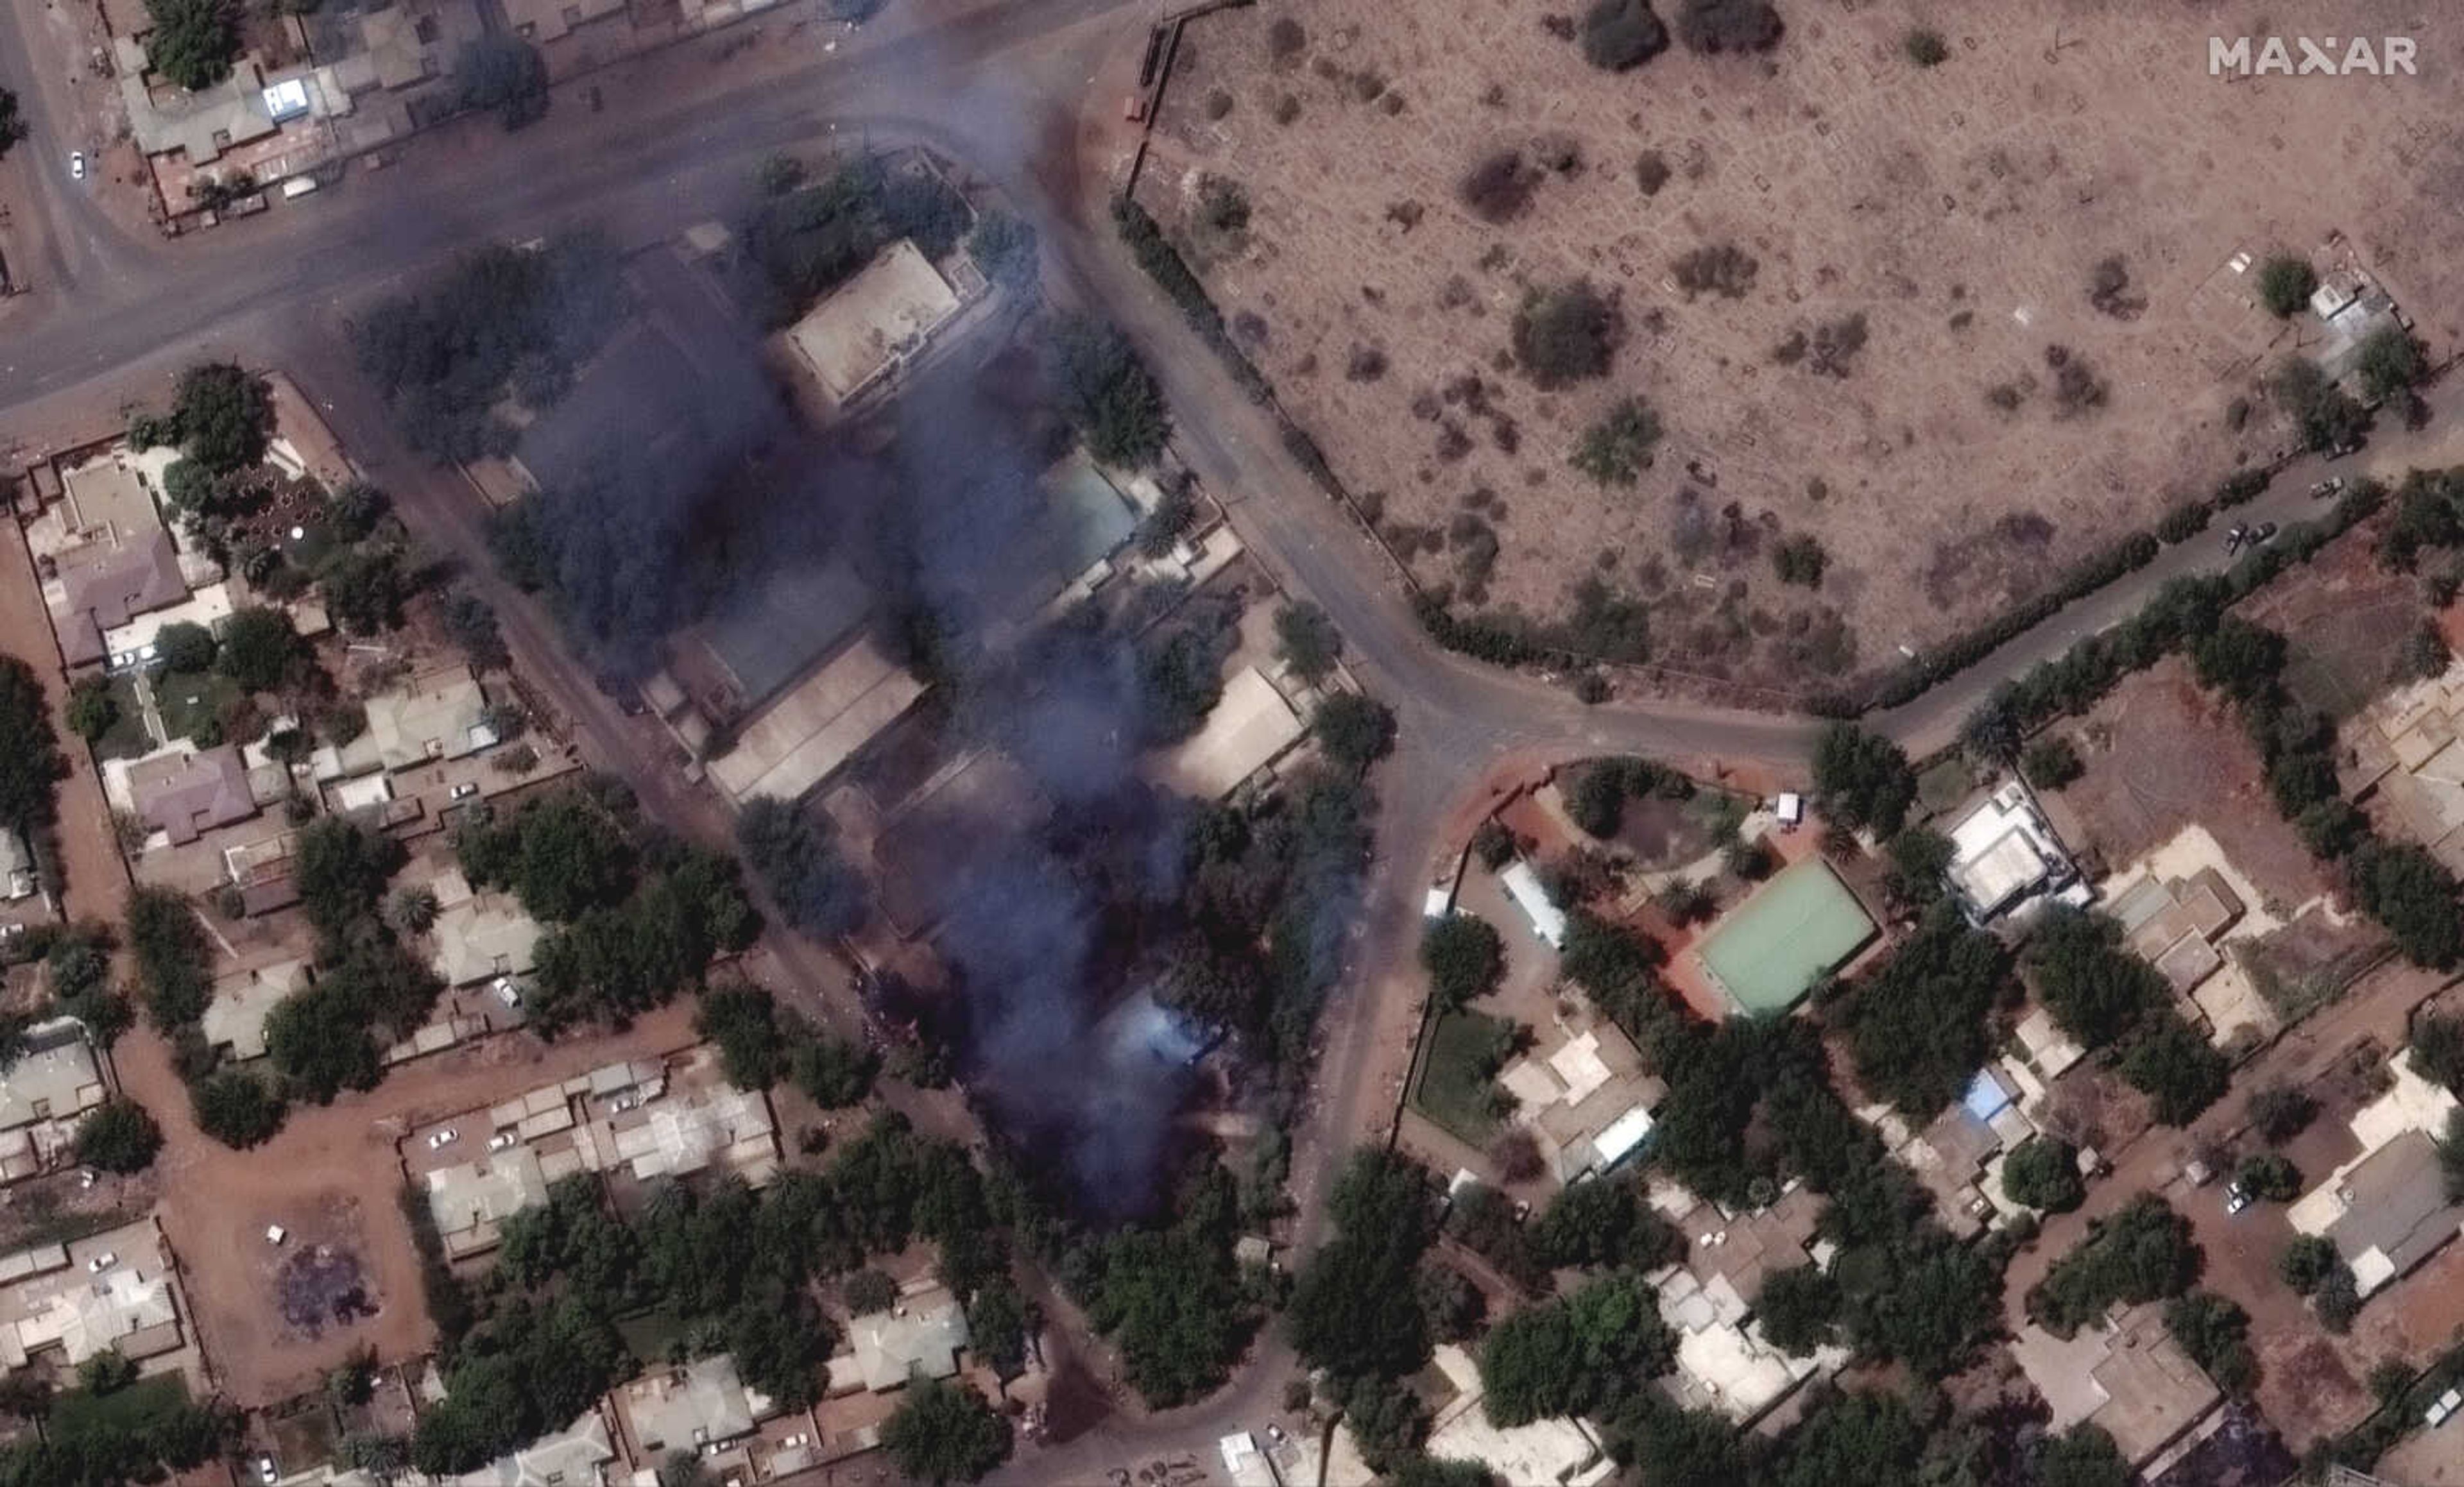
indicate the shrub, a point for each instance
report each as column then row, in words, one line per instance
column 1722, row 269
column 1651, row 172
column 1308, row 640
column 1615, row 449
column 2215, row 1333
column 1499, row 188
column 2285, row 283
column 1715, row 25
column 2269, row 1175
column 194, row 43
column 1925, row 47
column 1106, row 392
column 2327, row 417
column 1800, row 560
column 1352, row 731
column 1566, row 335
column 2143, row 1252
column 1618, row 35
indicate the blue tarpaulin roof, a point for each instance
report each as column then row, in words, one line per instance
column 1986, row 1097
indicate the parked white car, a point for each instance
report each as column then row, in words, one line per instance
column 275, row 1233
column 102, row 1262
column 444, row 1137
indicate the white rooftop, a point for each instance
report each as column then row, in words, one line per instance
column 1522, row 884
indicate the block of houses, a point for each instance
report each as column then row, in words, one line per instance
column 1584, row 1095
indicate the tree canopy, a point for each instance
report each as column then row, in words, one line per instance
column 945, row 1432
column 1919, row 1026
column 1463, row 957
column 795, row 858
column 1862, row 779
column 1353, row 1310
column 31, row 762
column 117, row 1136
column 2141, row 1252
column 1106, row 391
column 194, row 42
column 222, row 413
column 1583, row 1354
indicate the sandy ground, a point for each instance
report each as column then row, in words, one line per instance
column 1960, row 210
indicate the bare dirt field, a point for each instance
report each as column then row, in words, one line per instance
column 1960, row 211
column 2161, row 754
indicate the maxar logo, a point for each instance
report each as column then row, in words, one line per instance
column 2289, row 56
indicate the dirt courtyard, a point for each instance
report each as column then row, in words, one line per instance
column 1960, row 211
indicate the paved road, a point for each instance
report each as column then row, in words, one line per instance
column 1003, row 85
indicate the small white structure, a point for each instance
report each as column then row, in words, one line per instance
column 1791, row 811
column 1548, row 920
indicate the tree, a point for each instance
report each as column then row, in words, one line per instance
column 1463, row 957
column 1864, row 779
column 106, row 1372
column 505, row 73
column 2413, row 896
column 92, row 709
column 411, row 909
column 2390, row 362
column 343, row 868
column 1919, row 1025
column 1354, row 731
column 194, row 42
column 1615, row 449
column 12, row 123
column 1566, row 334
column 223, row 412
column 1591, row 1352
column 1004, row 246
column 259, row 645
column 2083, row 1455
column 2215, row 1333
column 2306, row 1261
column 2269, row 1175
column 1799, row 1309
column 2328, row 418
column 2051, row 762
column 1920, row 858
column 30, row 763
column 945, row 1432
column 795, row 855
column 1106, row 391
column 1387, row 1419
column 2096, row 989
column 2042, row 1172
column 1308, row 640
column 236, row 1109
column 1604, row 1224
column 2285, row 282
column 173, row 957
column 2280, row 1113
column 1925, row 47
column 117, row 1136
column 2141, row 1252
column 2175, row 1065
column 870, row 1291
column 1618, row 34
column 1353, row 1310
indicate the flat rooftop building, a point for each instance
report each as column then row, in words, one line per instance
column 1795, row 930
column 53, row 1078
column 2003, row 851
column 234, row 1020
column 920, row 1340
column 690, row 1409
column 1548, row 920
column 108, row 1292
column 807, row 736
column 1250, row 727
column 868, row 325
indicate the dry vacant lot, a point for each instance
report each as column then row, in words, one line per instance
column 1316, row 178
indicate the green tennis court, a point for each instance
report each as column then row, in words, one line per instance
column 1800, row 927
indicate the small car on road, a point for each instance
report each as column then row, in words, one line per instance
column 77, row 164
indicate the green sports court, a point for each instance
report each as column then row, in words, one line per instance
column 1802, row 925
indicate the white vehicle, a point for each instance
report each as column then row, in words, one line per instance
column 102, row 1262
column 443, row 1137
column 265, row 1469
column 298, row 186
column 507, row 992
column 501, row 1140
column 77, row 164
column 465, row 791
column 87, row 1177
column 275, row 1233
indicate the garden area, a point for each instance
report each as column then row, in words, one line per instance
column 1456, row 1086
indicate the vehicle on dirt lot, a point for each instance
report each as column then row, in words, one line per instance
column 77, row 164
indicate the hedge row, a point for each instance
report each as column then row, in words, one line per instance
column 1170, row 272
column 2182, row 609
